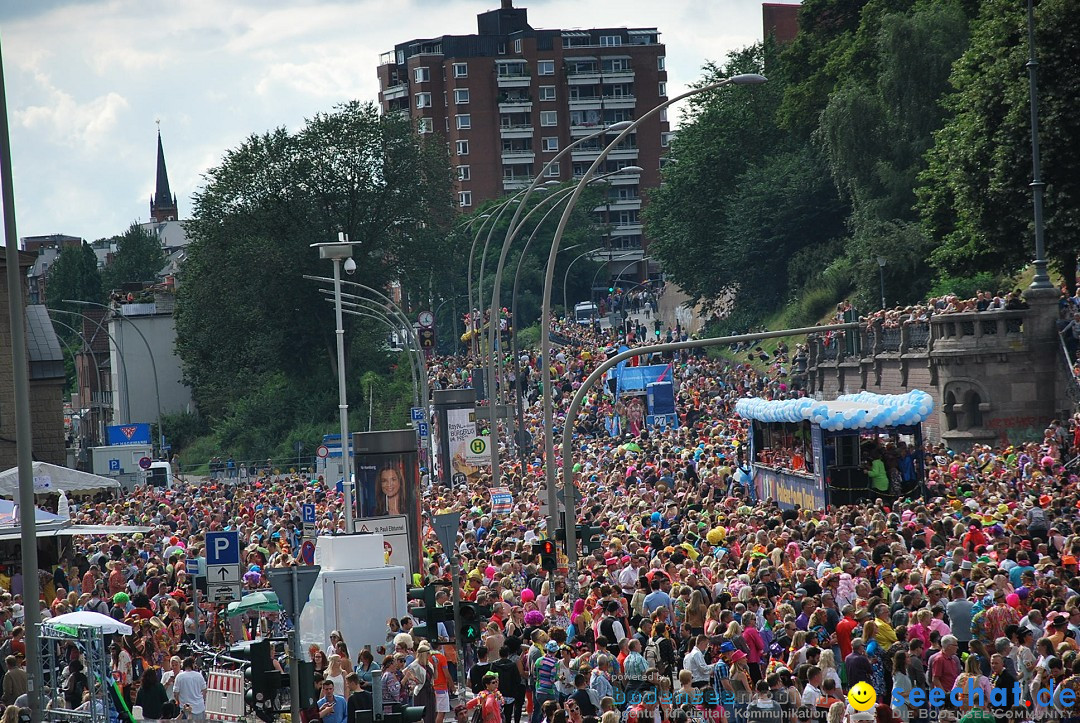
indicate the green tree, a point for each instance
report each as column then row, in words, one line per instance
column 974, row 196
column 138, row 258
column 249, row 326
column 74, row 275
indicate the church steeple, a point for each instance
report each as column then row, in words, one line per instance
column 163, row 203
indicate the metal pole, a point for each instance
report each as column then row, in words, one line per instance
column 1041, row 279
column 566, row 280
column 383, row 319
column 459, row 642
column 545, row 324
column 153, row 365
column 23, row 429
column 881, row 274
column 294, row 653
column 343, row 404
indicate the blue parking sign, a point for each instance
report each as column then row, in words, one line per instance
column 416, row 414
column 422, row 427
column 223, row 548
column 114, row 465
column 308, row 514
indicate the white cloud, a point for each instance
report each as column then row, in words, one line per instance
column 69, row 122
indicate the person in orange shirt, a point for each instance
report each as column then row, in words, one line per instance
column 443, row 684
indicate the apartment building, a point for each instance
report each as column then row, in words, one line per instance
column 508, row 98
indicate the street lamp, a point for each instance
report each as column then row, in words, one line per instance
column 1041, row 280
column 881, row 261
column 545, row 341
column 338, row 252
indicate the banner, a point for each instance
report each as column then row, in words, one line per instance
column 128, row 434
column 502, row 502
column 460, row 432
column 388, row 495
column 789, row 490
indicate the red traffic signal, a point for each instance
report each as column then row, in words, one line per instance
column 547, row 547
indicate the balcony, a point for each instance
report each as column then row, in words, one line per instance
column 514, row 80
column 518, row 156
column 626, row 229
column 619, row 204
column 585, row 129
column 616, row 102
column 618, row 76
column 624, row 179
column 590, row 154
column 515, row 106
column 516, row 183
column 583, row 78
column 520, row 130
column 396, row 91
column 590, row 103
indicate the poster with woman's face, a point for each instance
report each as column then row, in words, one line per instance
column 389, row 487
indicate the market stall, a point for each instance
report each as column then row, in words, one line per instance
column 810, row 454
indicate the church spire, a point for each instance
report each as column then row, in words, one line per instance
column 163, row 203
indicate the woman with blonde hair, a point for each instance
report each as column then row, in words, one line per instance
column 696, row 612
column 827, row 663
column 336, row 672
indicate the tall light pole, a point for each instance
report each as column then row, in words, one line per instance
column 881, row 261
column 545, row 324
column 339, row 252
column 149, row 352
column 23, row 429
column 1041, row 280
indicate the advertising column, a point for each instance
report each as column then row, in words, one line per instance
column 455, row 427
column 388, row 493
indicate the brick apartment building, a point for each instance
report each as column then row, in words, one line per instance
column 508, row 98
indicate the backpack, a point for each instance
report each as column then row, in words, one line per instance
column 654, row 659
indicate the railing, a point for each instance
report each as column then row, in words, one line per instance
column 1072, row 384
column 975, row 326
column 890, row 339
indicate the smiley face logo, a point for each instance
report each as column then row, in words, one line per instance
column 862, row 696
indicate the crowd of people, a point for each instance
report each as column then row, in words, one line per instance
column 701, row 600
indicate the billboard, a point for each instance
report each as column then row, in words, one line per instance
column 118, row 434
column 454, row 427
column 388, row 492
column 790, row 490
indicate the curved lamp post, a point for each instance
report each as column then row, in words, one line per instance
column 545, row 341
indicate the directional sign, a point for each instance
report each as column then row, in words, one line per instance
column 192, row 566
column 307, row 513
column 114, row 465
column 217, row 574
column 446, row 529
column 223, row 548
column 145, row 462
column 416, row 414
column 219, row 594
column 423, row 429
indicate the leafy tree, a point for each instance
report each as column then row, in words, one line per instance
column 249, row 326
column 138, row 258
column 974, row 196
column 74, row 275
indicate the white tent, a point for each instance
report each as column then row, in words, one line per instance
column 50, row 478
column 89, row 619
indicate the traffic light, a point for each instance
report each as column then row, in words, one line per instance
column 548, row 555
column 473, row 618
column 263, row 681
column 591, row 537
column 431, row 613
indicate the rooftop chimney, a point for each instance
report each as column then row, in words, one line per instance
column 507, row 4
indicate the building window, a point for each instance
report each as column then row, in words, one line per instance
column 517, row 45
column 423, row 100
column 550, row 144
column 464, row 121
column 463, row 173
column 547, row 92
column 463, row 148
column 616, row 65
column 665, row 139
column 549, row 118
column 553, row 170
column 464, row 198
column 545, row 67
column 610, row 40
column 663, row 89
column 663, row 116
column 660, row 61
column 502, row 48
column 461, row 70
column 424, row 125
column 422, row 75
column 461, row 96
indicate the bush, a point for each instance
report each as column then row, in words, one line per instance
column 966, row 286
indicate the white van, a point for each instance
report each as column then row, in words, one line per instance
column 585, row 312
column 160, row 475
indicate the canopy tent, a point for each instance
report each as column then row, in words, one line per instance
column 89, row 619
column 50, row 479
column 9, row 515
column 261, row 601
column 848, row 411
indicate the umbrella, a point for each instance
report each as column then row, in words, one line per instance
column 261, row 601
column 631, row 447
column 89, row 619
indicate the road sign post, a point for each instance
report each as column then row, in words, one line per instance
column 293, row 586
column 307, row 517
column 222, row 566
column 446, row 529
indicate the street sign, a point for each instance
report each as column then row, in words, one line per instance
column 307, row 552
column 223, row 548
column 446, row 528
column 219, row 594
column 114, row 465
column 322, row 451
column 145, row 462
column 423, row 429
column 293, row 586
column 307, row 513
column 477, row 452
column 219, row 574
column 416, row 414
column 192, row 566
column 308, row 532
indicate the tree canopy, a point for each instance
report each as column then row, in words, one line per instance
column 138, row 258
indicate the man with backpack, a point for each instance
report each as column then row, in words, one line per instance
column 660, row 651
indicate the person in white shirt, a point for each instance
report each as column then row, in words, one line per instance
column 812, row 692
column 189, row 691
column 694, row 661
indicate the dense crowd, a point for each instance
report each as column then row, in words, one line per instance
column 702, row 601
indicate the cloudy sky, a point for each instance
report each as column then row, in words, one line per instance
column 87, row 79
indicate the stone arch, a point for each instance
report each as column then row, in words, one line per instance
column 950, row 411
column 966, row 402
